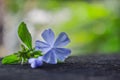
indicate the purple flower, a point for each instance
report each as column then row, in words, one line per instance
column 53, row 49
column 35, row 62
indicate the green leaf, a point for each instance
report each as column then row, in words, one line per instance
column 25, row 35
column 37, row 53
column 59, row 62
column 11, row 59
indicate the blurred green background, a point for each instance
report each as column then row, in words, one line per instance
column 92, row 25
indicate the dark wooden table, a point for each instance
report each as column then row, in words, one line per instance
column 90, row 67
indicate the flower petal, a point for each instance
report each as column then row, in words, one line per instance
column 48, row 36
column 39, row 62
column 33, row 65
column 50, row 57
column 31, row 60
column 62, row 40
column 35, row 62
column 62, row 53
column 42, row 46
column 40, row 58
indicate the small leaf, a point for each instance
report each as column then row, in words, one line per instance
column 11, row 59
column 59, row 62
column 37, row 53
column 23, row 47
column 25, row 35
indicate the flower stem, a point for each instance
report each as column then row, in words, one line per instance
column 22, row 61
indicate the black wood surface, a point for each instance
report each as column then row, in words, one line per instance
column 92, row 67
